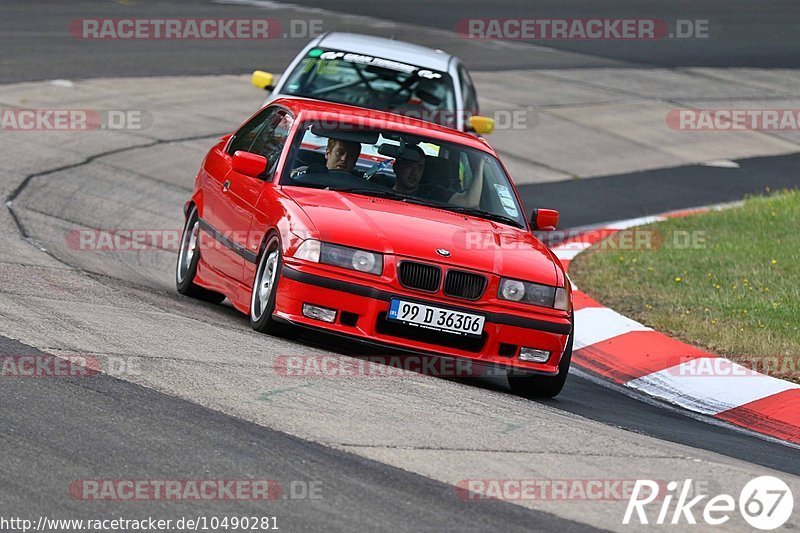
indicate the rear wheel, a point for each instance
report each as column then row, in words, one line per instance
column 265, row 289
column 538, row 386
column 188, row 256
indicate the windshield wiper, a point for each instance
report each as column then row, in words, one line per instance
column 484, row 214
column 392, row 195
column 366, row 191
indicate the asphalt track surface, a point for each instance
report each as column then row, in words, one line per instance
column 83, row 428
column 657, row 191
column 35, row 39
column 741, row 33
column 55, row 432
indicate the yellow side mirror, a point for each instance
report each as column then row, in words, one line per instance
column 482, row 125
column 262, row 80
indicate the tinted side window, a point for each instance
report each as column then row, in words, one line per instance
column 271, row 139
column 468, row 91
column 243, row 139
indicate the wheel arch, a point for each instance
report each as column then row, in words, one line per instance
column 197, row 201
column 271, row 232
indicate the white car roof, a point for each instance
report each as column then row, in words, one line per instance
column 411, row 54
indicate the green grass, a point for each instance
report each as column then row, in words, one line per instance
column 736, row 293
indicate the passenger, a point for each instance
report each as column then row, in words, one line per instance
column 408, row 174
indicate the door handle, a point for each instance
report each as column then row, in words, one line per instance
column 226, row 185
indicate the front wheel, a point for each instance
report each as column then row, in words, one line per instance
column 537, row 386
column 188, row 256
column 265, row 289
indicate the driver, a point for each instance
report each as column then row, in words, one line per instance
column 342, row 155
column 339, row 155
column 409, row 173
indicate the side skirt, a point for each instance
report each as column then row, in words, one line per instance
column 237, row 293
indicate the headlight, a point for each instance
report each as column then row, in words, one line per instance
column 513, row 290
column 341, row 256
column 352, row 258
column 365, row 261
column 309, row 251
column 533, row 294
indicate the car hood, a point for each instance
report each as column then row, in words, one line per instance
column 417, row 231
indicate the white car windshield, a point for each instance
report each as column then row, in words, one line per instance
column 375, row 83
column 397, row 165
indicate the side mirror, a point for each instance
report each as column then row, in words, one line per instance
column 263, row 80
column 482, row 125
column 544, row 219
column 252, row 165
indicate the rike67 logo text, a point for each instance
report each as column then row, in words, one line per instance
column 765, row 503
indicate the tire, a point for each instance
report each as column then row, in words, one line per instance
column 538, row 386
column 188, row 256
column 264, row 292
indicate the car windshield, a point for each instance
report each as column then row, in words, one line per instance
column 400, row 166
column 375, row 83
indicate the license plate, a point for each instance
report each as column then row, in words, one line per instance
column 436, row 318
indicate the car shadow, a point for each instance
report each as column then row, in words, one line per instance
column 440, row 367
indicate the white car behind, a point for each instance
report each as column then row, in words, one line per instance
column 383, row 74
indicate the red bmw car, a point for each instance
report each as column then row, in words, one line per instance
column 385, row 229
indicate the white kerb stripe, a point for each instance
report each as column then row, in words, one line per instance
column 596, row 324
column 625, row 224
column 689, row 385
column 569, row 251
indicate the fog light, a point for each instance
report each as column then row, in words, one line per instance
column 533, row 355
column 319, row 313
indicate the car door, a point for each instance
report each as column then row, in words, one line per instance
column 229, row 200
column 244, row 192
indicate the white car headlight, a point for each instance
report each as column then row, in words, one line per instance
column 511, row 289
column 309, row 251
column 364, row 261
column 533, row 293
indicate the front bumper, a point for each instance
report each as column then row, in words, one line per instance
column 361, row 311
